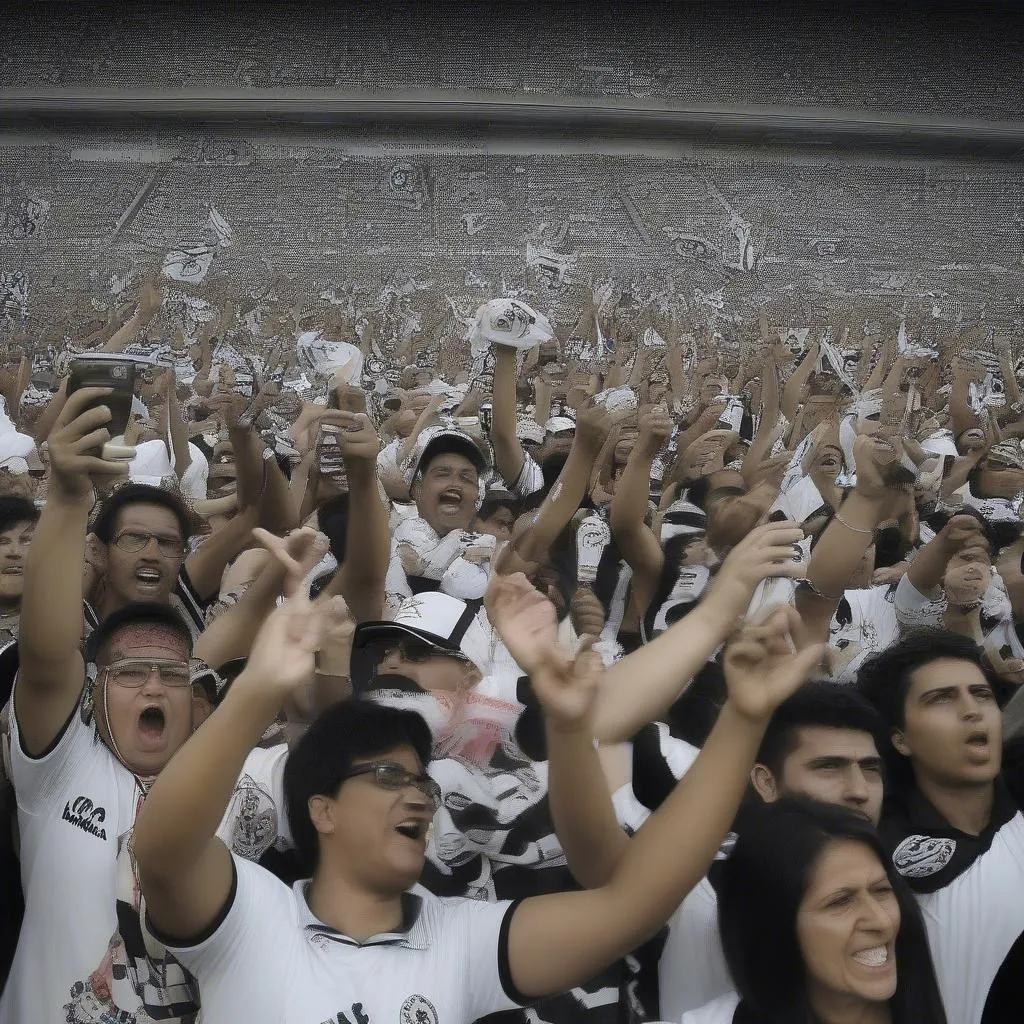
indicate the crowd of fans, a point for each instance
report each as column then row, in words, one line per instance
column 411, row 666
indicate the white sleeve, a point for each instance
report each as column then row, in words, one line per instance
column 530, row 479
column 487, row 975
column 913, row 609
column 242, row 964
column 38, row 781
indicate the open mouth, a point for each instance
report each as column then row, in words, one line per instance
column 147, row 579
column 876, row 956
column 415, row 829
column 12, row 570
column 152, row 721
column 978, row 739
column 450, row 501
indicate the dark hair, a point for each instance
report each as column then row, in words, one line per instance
column 15, row 510
column 696, row 491
column 140, row 494
column 884, row 679
column 137, row 613
column 345, row 732
column 447, row 444
column 821, row 705
column 761, row 887
column 492, row 504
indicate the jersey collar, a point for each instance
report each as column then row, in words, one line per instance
column 412, row 934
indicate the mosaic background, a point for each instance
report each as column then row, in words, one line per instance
column 722, row 230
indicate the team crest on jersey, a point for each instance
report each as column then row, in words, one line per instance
column 921, row 856
column 417, row 1010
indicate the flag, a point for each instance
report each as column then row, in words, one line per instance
column 190, row 264
column 220, row 227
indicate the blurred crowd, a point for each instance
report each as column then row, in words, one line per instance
column 421, row 662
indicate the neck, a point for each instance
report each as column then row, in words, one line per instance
column 967, row 808
column 11, row 606
column 831, row 1008
column 353, row 909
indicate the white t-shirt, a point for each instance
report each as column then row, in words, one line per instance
column 271, row 961
column 720, row 1011
column 82, row 951
column 692, row 970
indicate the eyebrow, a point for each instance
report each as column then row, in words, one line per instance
column 832, row 761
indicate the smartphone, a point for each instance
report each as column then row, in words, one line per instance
column 106, row 370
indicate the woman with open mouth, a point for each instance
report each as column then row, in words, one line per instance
column 818, row 927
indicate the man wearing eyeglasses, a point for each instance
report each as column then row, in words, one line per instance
column 84, row 751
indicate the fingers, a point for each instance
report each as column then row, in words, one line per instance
column 77, row 403
column 93, row 440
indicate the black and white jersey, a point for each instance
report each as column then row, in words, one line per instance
column 183, row 600
column 971, row 892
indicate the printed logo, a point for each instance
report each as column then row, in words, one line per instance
column 417, row 1010
column 82, row 814
column 921, row 856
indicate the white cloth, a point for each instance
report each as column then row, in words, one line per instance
column 720, row 1011
column 271, row 960
column 871, row 626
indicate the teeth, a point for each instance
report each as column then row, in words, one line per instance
column 872, row 957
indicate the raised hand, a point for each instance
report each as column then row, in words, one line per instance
column 764, row 665
column 357, row 440
column 766, row 552
column 655, row 430
column 283, row 656
column 525, row 620
column 76, row 436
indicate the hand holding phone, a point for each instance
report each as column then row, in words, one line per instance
column 115, row 375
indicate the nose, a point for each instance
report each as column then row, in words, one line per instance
column 875, row 918
column 855, row 791
column 153, row 683
column 414, row 798
column 971, row 708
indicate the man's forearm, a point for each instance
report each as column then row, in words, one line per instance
column 367, row 548
column 581, row 807
column 508, row 452
column 562, row 501
column 645, row 684
column 51, row 605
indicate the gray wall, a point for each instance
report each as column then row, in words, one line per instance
column 827, row 228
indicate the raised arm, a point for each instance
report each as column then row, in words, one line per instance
column 51, row 672
column 508, row 452
column 557, row 941
column 640, row 547
column 564, row 498
column 360, row 580
column 793, row 392
column 185, row 871
column 846, row 538
column 645, row 684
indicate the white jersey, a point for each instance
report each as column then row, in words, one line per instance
column 270, row 960
column 83, row 954
column 692, row 970
column 971, row 893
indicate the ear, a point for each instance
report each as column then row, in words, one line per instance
column 899, row 741
column 763, row 782
column 321, row 813
column 96, row 552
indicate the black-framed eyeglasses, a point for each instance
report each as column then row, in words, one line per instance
column 393, row 777
column 136, row 540
column 133, row 673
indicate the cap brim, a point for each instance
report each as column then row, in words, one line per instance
column 370, row 634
